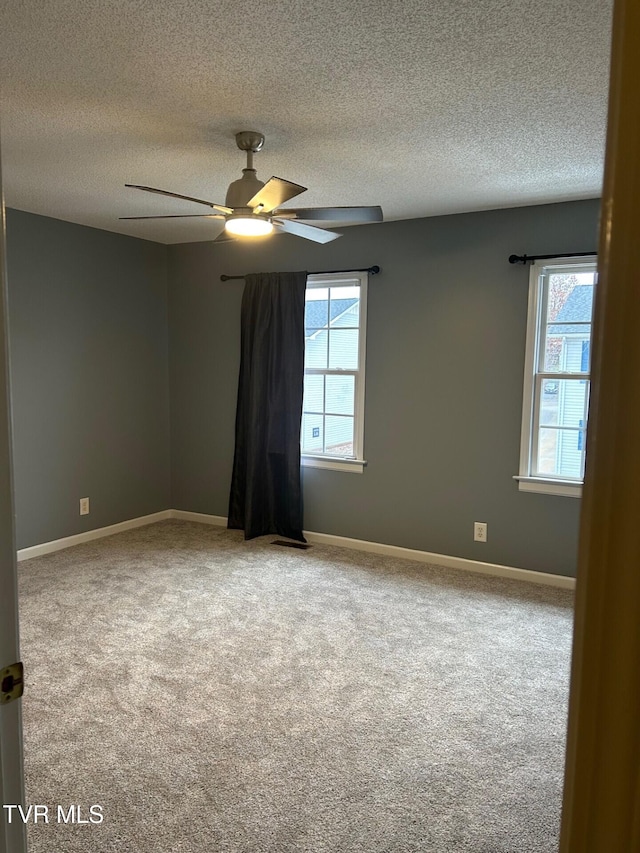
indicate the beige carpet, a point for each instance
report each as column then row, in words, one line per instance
column 218, row 696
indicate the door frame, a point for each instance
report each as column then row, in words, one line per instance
column 601, row 810
column 12, row 835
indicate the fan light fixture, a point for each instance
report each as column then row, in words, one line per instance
column 253, row 225
column 253, row 208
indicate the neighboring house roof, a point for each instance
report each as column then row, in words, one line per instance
column 576, row 309
column 316, row 313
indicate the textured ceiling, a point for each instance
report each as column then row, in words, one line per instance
column 423, row 107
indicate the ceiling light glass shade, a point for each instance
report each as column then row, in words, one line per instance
column 249, row 226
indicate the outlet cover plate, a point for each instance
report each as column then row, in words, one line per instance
column 480, row 531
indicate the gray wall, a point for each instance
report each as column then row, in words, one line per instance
column 447, row 317
column 445, row 360
column 88, row 340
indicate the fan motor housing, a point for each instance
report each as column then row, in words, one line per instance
column 244, row 189
column 250, row 140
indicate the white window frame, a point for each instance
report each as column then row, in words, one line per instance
column 355, row 464
column 527, row 482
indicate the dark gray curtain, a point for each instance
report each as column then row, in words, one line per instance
column 266, row 494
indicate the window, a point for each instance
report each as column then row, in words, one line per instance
column 332, row 433
column 556, row 385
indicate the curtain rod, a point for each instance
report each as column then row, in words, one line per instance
column 371, row 270
column 525, row 259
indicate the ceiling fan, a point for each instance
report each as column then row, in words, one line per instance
column 252, row 207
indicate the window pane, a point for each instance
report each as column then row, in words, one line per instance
column 343, row 348
column 567, row 353
column 333, row 372
column 570, row 297
column 569, row 304
column 340, row 395
column 564, row 403
column 312, row 433
column 316, row 309
column 345, row 292
column 345, row 306
column 339, row 436
column 315, row 349
column 313, row 394
column 561, row 453
column 560, row 334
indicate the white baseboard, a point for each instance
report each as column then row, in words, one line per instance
column 443, row 560
column 200, row 517
column 409, row 554
column 98, row 533
column 319, row 538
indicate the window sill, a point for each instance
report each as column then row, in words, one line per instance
column 565, row 488
column 353, row 466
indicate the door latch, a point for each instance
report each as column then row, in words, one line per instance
column 11, row 683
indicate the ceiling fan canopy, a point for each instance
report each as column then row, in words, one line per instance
column 252, row 207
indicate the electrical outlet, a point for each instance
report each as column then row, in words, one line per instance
column 84, row 506
column 480, row 531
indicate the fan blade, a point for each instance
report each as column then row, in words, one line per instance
column 179, row 216
column 334, row 214
column 276, row 191
column 219, row 207
column 310, row 232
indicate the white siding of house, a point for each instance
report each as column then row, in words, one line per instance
column 571, row 410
